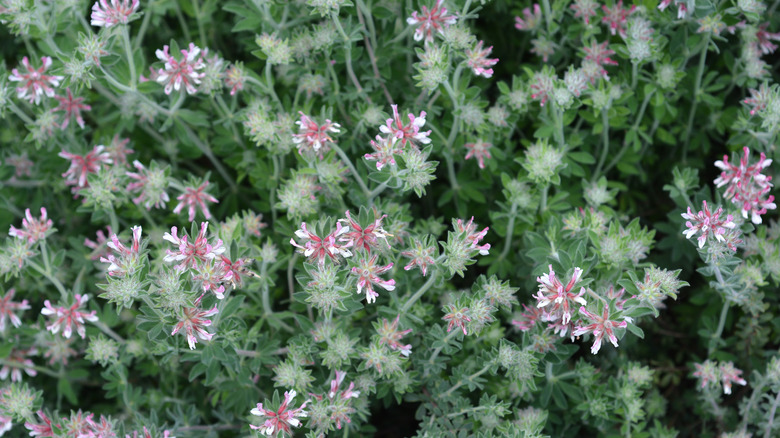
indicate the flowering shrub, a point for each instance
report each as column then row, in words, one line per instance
column 427, row 218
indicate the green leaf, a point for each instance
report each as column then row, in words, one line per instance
column 636, row 330
column 65, row 389
column 582, row 157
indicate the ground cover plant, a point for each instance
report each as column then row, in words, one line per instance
column 389, row 218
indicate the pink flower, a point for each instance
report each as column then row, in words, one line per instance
column 552, row 291
column 759, row 98
column 181, row 72
column 477, row 59
column 429, row 21
column 457, row 317
column 283, row 420
column 384, row 150
column 584, row 9
column 211, row 275
column 149, row 185
column 32, row 229
column 728, row 375
column 363, row 238
column 8, row 309
column 345, row 394
column 617, row 17
column 81, row 166
column 747, row 186
column 764, row 39
column 195, row 198
column 390, row 335
column 34, row 83
column 128, row 261
column 468, row 231
column 707, row 223
column 118, row 150
column 66, row 318
column 600, row 326
column 118, row 11
column 599, row 54
column 406, row 133
column 532, row 19
column 317, row 248
column 235, row 78
column 479, row 150
column 17, row 362
column 542, row 85
column 421, row 256
column 368, row 275
column 40, row 430
column 193, row 322
column 192, row 254
column 682, row 9
column 528, row 318
column 98, row 246
column 72, row 107
column 314, row 138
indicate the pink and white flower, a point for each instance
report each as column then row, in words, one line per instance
column 314, row 138
column 531, row 20
column 617, row 17
column 34, row 82
column 81, row 166
column 32, row 229
column 707, row 223
column 107, row 13
column 562, row 298
column 127, row 261
column 361, row 238
column 317, row 249
column 600, row 326
column 428, row 22
column 66, row 318
column 477, row 59
column 191, row 254
column 747, row 186
column 368, row 274
column 185, row 72
column 9, row 308
column 479, row 150
column 406, row 132
column 281, row 421
column 390, row 335
column 728, row 375
column 195, row 199
column 18, row 362
column 72, row 107
column 193, row 320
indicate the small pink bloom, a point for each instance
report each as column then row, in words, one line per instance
column 542, row 85
column 528, row 318
column 194, row 199
column 390, row 334
column 81, row 166
column 9, row 308
column 368, row 275
column 34, row 83
column 99, row 246
column 314, row 138
column 479, row 150
column 707, row 372
column 747, row 186
column 317, row 248
column 66, row 318
column 562, row 298
column 193, row 320
column 759, row 98
column 600, row 326
column 40, row 430
column 707, row 223
column 185, row 72
column 149, row 185
column 118, row 150
column 406, row 133
column 477, row 59
column 16, row 362
column 384, row 150
column 126, row 260
column 281, row 421
column 421, row 256
column 599, row 54
column 764, row 38
column 72, row 107
column 585, row 9
column 617, row 17
column 468, row 231
column 235, row 78
column 431, row 21
column 192, row 254
column 532, row 19
column 456, row 317
column 728, row 375
column 32, row 229
column 362, row 238
column 105, row 14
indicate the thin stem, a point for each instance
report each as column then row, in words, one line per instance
column 129, row 53
column 139, row 37
column 721, row 323
column 424, row 288
column 351, row 167
column 370, row 46
column 634, row 68
column 182, row 22
column 510, row 228
column 749, row 406
column 210, row 155
column 348, row 52
column 605, row 143
column 265, row 290
column 201, row 31
column 468, row 379
column 445, row 341
column 270, row 84
column 696, row 89
column 107, row 330
column 18, row 111
column 770, row 424
column 635, row 127
column 547, row 15
column 378, row 190
column 275, row 160
column 559, row 137
column 543, row 203
column 113, row 220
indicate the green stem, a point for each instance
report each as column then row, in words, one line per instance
column 275, row 160
column 634, row 69
column 351, row 167
column 543, row 203
column 18, row 111
column 129, row 53
column 113, row 220
column 547, row 15
column 139, row 37
column 201, row 31
column 270, row 85
column 468, row 379
column 605, row 143
column 107, row 330
column 445, row 341
column 210, row 155
column 721, row 322
column 265, row 290
column 559, row 137
column 757, row 389
column 696, row 88
column 635, row 127
column 510, row 228
column 376, row 192
column 14, row 364
column 771, row 416
column 424, row 288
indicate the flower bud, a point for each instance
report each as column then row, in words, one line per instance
column 103, row 350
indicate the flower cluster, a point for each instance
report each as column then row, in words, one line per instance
column 317, row 248
column 186, row 72
column 194, row 198
column 82, row 166
column 747, row 186
column 313, row 139
column 462, row 244
column 430, row 21
column 600, row 326
column 709, row 373
column 560, row 298
column 193, row 320
column 35, row 83
column 708, row 224
column 69, row 318
column 33, row 229
column 281, row 421
column 105, row 14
